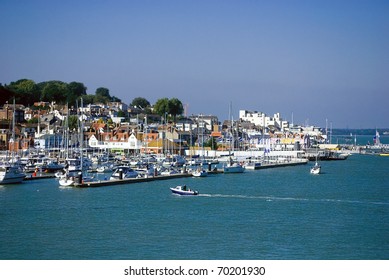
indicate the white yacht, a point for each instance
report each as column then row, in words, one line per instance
column 123, row 172
column 11, row 174
column 233, row 167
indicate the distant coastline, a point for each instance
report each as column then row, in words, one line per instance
column 361, row 131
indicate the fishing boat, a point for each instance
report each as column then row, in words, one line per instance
column 183, row 190
column 316, row 168
column 11, row 174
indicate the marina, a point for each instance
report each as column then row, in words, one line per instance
column 273, row 213
column 140, row 190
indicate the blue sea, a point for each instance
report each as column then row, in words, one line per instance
column 272, row 214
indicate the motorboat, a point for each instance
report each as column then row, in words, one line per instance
column 199, row 173
column 104, row 169
column 252, row 165
column 11, row 174
column 169, row 171
column 67, row 181
column 233, row 167
column 183, row 190
column 123, row 172
column 316, row 168
column 74, row 179
column 53, row 167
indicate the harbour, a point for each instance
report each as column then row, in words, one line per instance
column 274, row 213
column 146, row 190
column 194, row 138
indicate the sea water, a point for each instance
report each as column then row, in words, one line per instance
column 278, row 213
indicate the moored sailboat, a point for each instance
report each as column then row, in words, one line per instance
column 11, row 172
column 316, row 169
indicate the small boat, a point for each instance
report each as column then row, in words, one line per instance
column 169, row 171
column 200, row 173
column 123, row 172
column 233, row 167
column 104, row 169
column 11, row 174
column 183, row 190
column 66, row 181
column 252, row 165
column 316, row 169
column 53, row 167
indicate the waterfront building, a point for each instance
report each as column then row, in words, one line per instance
column 260, row 119
column 115, row 143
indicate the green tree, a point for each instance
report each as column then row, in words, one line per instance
column 5, row 95
column 122, row 114
column 140, row 102
column 172, row 107
column 102, row 95
column 175, row 107
column 26, row 91
column 161, row 106
column 115, row 99
column 73, row 122
column 55, row 91
column 76, row 90
column 102, row 91
column 88, row 99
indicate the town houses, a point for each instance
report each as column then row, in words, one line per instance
column 127, row 130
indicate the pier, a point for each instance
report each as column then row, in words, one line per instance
column 271, row 164
column 256, row 165
column 104, row 183
column 30, row 177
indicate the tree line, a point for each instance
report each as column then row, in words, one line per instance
column 27, row 92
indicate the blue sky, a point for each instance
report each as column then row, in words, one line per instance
column 316, row 60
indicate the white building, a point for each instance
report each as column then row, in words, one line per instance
column 260, row 119
column 131, row 144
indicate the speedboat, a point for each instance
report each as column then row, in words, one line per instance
column 183, row 190
column 316, row 169
column 11, row 174
column 200, row 173
column 74, row 179
column 233, row 167
column 67, row 181
column 123, row 172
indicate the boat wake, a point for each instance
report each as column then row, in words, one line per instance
column 274, row 198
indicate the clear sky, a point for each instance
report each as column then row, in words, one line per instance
column 315, row 60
